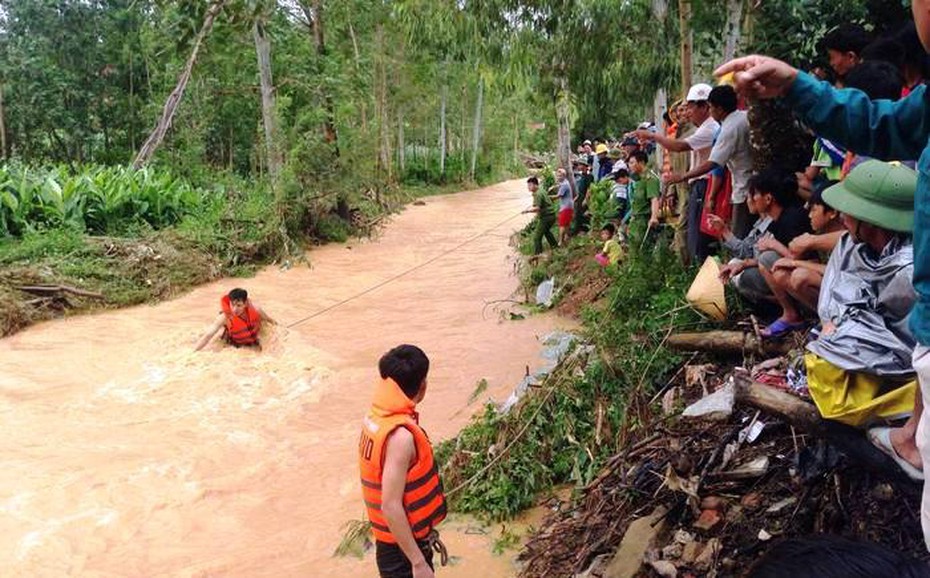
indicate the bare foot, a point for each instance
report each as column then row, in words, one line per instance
column 906, row 447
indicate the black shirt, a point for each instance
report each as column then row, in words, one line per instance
column 793, row 222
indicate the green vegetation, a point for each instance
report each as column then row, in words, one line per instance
column 574, row 422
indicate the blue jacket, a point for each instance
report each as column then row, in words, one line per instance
column 890, row 130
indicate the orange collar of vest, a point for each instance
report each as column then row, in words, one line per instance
column 391, row 400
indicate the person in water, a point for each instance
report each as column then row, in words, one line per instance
column 240, row 319
column 400, row 481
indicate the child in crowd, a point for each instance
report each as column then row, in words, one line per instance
column 612, row 251
column 621, row 190
column 796, row 281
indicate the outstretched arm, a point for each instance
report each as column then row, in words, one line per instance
column 265, row 316
column 882, row 128
column 218, row 324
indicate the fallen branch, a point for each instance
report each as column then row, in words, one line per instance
column 805, row 417
column 54, row 289
column 726, row 342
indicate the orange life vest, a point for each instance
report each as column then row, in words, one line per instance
column 241, row 329
column 424, row 501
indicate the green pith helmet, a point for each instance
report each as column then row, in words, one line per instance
column 879, row 193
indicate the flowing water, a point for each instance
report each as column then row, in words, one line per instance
column 126, row 454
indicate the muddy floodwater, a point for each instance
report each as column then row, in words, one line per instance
column 126, row 454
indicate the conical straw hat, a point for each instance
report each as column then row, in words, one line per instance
column 706, row 292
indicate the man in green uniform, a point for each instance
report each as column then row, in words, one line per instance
column 545, row 216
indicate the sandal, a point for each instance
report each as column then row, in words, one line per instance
column 781, row 327
column 881, row 438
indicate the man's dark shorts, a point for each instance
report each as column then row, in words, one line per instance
column 393, row 563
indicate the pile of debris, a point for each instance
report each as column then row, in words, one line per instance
column 704, row 492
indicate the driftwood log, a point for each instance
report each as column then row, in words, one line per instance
column 51, row 290
column 805, row 417
column 726, row 342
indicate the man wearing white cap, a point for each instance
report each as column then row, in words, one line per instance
column 699, row 143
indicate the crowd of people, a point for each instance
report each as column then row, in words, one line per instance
column 838, row 250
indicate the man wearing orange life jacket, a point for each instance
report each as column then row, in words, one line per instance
column 240, row 320
column 400, row 481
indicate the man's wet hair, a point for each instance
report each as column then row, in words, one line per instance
column 532, row 181
column 781, row 183
column 640, row 155
column 835, row 557
column 238, row 294
column 846, row 38
column 609, row 227
column 723, row 96
column 880, row 80
column 407, row 365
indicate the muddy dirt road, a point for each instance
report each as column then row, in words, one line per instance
column 125, row 454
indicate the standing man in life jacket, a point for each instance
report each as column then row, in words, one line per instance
column 240, row 320
column 400, row 480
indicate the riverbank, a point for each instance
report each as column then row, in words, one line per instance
column 654, row 493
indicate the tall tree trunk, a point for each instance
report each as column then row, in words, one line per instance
column 155, row 139
column 3, row 152
column 263, row 52
column 401, row 153
column 442, row 130
column 381, row 109
column 462, row 133
column 358, row 70
column 733, row 31
column 314, row 14
column 516, row 141
column 476, row 129
column 562, row 110
column 132, row 105
column 687, row 43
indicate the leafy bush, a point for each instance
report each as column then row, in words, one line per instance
column 95, row 199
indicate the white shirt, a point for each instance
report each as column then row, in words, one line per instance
column 701, row 142
column 732, row 150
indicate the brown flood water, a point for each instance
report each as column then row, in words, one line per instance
column 125, row 454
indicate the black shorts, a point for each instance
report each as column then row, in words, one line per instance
column 393, row 563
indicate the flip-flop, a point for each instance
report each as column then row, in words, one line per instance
column 781, row 327
column 881, row 438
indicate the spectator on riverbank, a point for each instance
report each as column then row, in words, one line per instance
column 643, row 215
column 583, row 182
column 699, row 143
column 566, row 204
column 775, row 199
column 545, row 216
column 732, row 150
column 881, row 129
column 239, row 319
column 844, row 45
column 795, row 280
column 621, row 190
column 612, row 252
column 604, row 163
